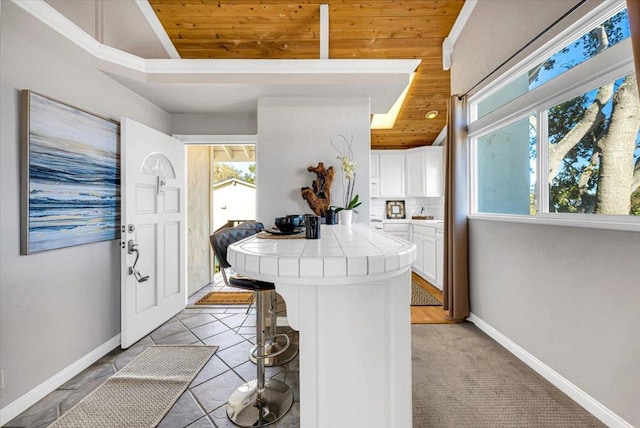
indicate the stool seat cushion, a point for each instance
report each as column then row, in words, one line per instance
column 250, row 283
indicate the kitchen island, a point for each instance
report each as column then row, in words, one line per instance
column 348, row 294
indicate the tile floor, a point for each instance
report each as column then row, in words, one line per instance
column 203, row 403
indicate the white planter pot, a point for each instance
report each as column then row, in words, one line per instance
column 345, row 216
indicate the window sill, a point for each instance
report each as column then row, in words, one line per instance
column 608, row 223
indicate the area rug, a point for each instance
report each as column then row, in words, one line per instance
column 420, row 296
column 226, row 298
column 142, row 392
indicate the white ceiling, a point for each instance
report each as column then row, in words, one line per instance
column 211, row 86
column 124, row 26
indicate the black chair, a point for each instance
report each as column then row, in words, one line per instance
column 277, row 351
column 259, row 402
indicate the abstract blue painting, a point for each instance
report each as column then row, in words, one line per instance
column 71, row 176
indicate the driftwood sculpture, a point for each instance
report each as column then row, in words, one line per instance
column 319, row 197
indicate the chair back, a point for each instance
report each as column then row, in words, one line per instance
column 256, row 225
column 221, row 239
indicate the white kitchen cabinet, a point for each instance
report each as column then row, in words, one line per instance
column 375, row 164
column 401, row 230
column 375, row 175
column 430, row 259
column 425, row 239
column 424, row 172
column 391, row 178
column 418, row 265
column 429, row 242
column 439, row 259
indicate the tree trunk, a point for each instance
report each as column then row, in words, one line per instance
column 593, row 116
column 616, row 151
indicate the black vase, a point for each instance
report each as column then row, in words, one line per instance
column 330, row 217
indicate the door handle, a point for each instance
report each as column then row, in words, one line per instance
column 133, row 249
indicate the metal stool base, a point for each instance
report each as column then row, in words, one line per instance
column 244, row 408
column 272, row 346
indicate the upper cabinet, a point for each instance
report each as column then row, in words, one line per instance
column 424, row 172
column 375, row 175
column 389, row 165
column 415, row 173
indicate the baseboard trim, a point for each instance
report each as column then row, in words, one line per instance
column 21, row 404
column 590, row 404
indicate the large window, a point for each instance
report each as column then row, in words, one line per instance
column 506, row 169
column 563, row 138
column 605, row 35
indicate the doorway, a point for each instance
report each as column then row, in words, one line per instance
column 221, row 190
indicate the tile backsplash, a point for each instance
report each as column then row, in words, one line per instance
column 413, row 206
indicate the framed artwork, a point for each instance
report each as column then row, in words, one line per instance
column 395, row 209
column 70, row 176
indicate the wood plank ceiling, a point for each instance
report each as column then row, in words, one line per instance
column 279, row 29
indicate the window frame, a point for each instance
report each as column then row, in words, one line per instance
column 576, row 30
column 609, row 65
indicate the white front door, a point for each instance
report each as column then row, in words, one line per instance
column 153, row 229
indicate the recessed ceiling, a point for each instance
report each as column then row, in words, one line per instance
column 250, row 29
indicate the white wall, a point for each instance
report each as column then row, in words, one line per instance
column 568, row 296
column 496, row 30
column 214, row 124
column 294, row 133
column 233, row 203
column 199, row 262
column 55, row 306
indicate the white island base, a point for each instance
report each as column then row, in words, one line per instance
column 348, row 294
column 355, row 352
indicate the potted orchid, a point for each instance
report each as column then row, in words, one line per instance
column 348, row 167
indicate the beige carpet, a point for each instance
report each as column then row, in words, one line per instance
column 464, row 379
column 420, row 296
column 142, row 392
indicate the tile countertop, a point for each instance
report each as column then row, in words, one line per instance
column 438, row 224
column 341, row 252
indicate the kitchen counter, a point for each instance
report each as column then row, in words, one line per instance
column 438, row 224
column 348, row 294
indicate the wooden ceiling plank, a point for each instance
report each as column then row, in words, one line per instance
column 235, row 10
column 242, row 33
column 279, row 29
column 230, row 54
column 233, row 22
column 246, row 152
column 400, row 8
column 249, row 45
column 437, row 24
column 388, row 43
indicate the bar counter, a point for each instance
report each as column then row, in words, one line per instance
column 348, row 294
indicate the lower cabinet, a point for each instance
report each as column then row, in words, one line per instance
column 401, row 230
column 429, row 243
column 439, row 259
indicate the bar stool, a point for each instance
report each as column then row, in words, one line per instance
column 259, row 402
column 277, row 351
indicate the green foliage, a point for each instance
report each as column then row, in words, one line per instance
column 250, row 177
column 352, row 205
column 224, row 171
column 635, row 203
